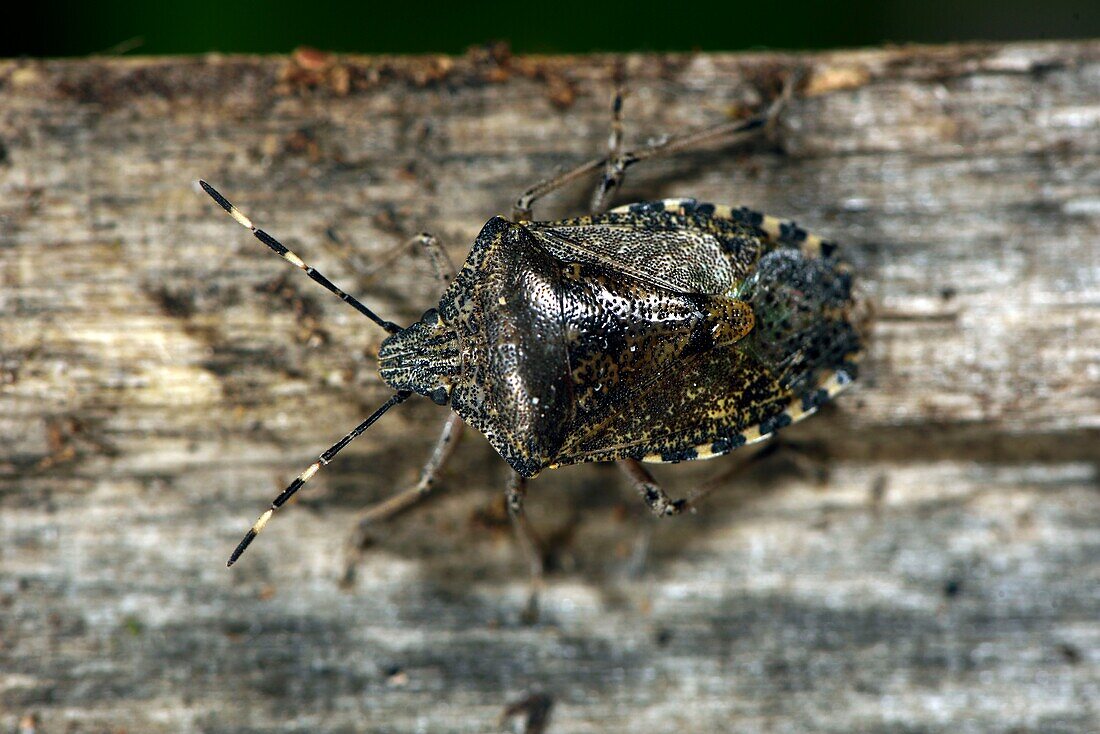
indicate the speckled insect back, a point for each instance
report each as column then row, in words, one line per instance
column 660, row 331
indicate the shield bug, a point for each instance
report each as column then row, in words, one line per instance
column 660, row 331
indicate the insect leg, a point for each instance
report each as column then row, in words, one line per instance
column 521, row 210
column 655, row 497
column 613, row 174
column 535, row 708
column 729, row 132
column 441, row 262
column 398, row 503
column 615, row 141
column 516, row 492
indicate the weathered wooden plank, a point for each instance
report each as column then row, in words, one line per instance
column 161, row 376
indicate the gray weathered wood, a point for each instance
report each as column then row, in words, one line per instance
column 162, row 376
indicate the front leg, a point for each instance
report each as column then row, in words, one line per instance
column 429, row 475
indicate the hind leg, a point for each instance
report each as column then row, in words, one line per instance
column 659, row 502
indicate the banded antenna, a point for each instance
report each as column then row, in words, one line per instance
column 282, row 251
column 322, row 460
column 399, row 397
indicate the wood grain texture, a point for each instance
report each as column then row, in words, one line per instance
column 162, row 376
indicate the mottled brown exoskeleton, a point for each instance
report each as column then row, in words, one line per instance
column 661, row 331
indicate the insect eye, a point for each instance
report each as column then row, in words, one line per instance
column 440, row 396
column 431, row 316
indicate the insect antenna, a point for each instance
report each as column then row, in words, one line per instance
column 282, row 251
column 322, row 460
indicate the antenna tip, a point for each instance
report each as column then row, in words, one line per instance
column 248, row 538
column 224, row 204
column 213, row 193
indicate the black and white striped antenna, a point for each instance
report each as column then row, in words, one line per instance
column 282, row 251
column 399, row 397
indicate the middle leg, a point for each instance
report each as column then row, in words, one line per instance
column 617, row 162
column 613, row 170
column 516, row 493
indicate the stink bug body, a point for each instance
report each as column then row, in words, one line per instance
column 661, row 332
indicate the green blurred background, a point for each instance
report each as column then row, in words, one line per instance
column 70, row 28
